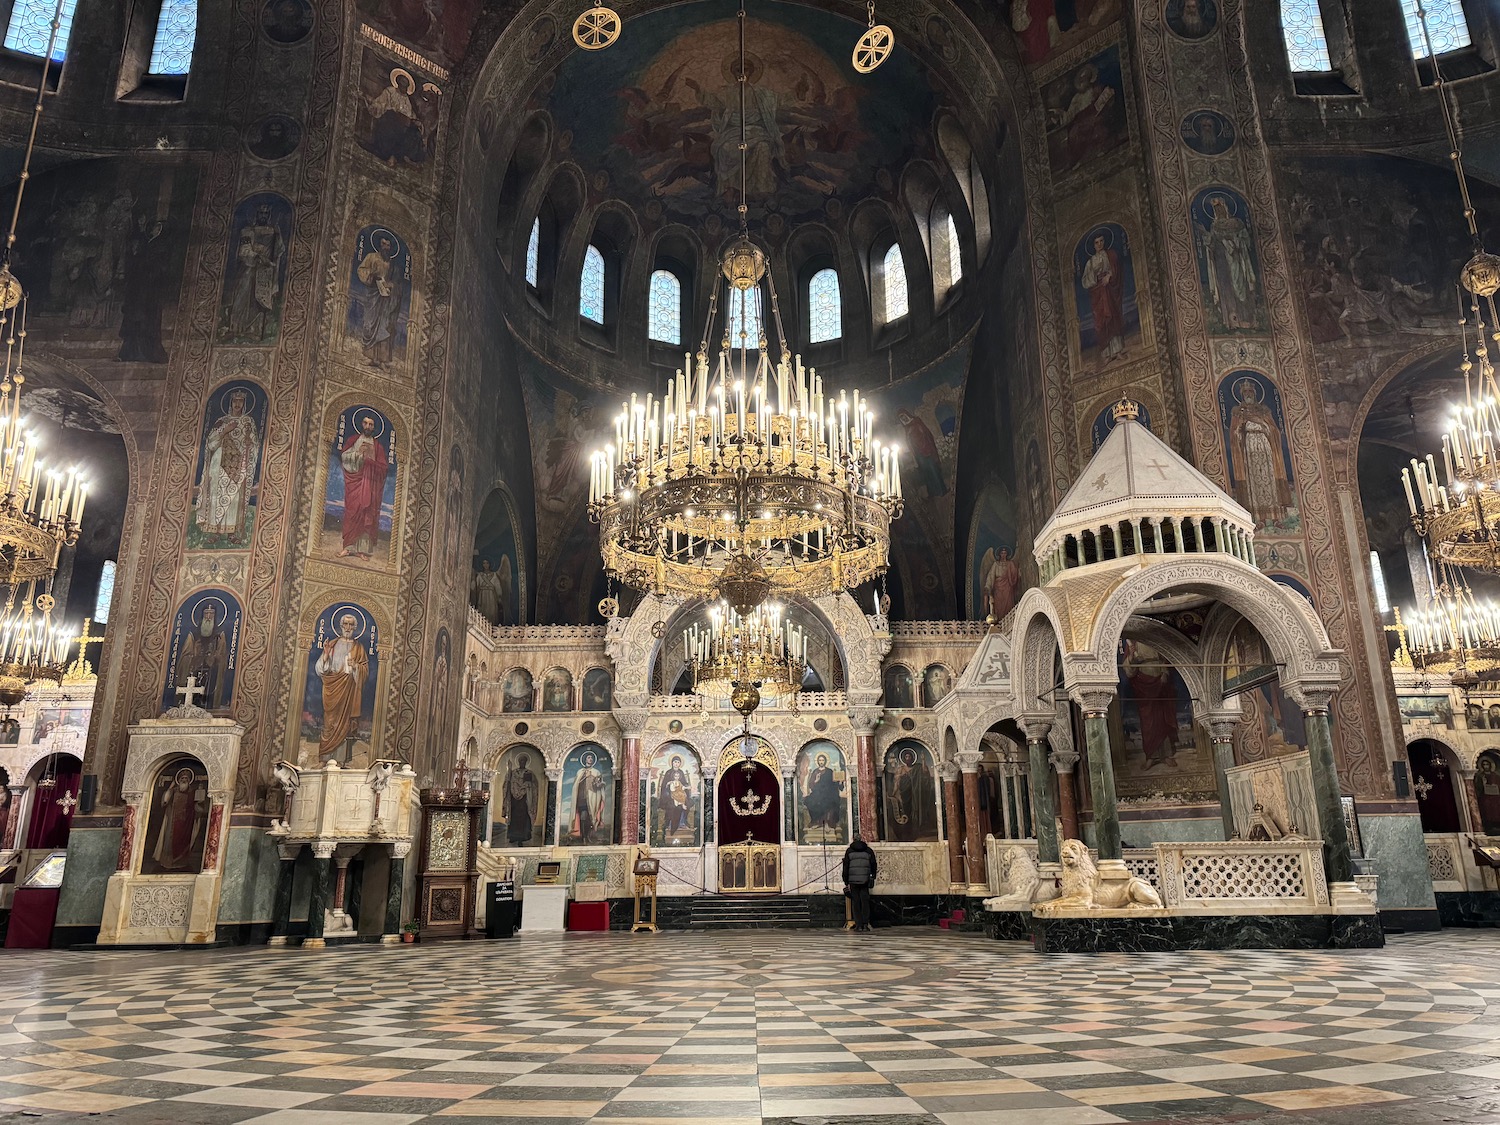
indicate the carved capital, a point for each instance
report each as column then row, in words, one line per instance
column 1037, row 727
column 1220, row 728
column 632, row 721
column 400, row 849
column 1313, row 700
column 554, row 773
column 948, row 771
column 288, row 852
column 968, row 760
column 864, row 720
column 1094, row 700
column 1063, row 760
column 324, row 849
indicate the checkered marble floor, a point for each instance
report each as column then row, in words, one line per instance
column 898, row 1027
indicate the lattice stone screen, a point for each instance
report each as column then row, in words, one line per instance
column 1442, row 864
column 1230, row 876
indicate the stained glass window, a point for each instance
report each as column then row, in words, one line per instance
column 1377, row 576
column 665, row 313
column 825, row 309
column 106, row 593
column 31, row 26
column 893, row 284
column 591, row 287
column 1446, row 26
column 744, row 312
column 1302, row 31
column 533, row 248
column 176, row 30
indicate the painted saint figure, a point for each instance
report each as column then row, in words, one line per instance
column 588, row 801
column 254, row 298
column 364, row 464
column 1260, row 479
column 178, row 845
column 1001, row 578
column 1487, row 793
column 231, row 456
column 381, row 301
column 396, row 135
column 1155, row 691
column 674, row 797
column 1231, row 265
column 1105, row 282
column 520, row 793
column 342, row 667
column 205, row 656
column 484, row 593
column 824, row 800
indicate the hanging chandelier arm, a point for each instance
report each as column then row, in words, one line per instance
column 36, row 121
column 1450, row 124
column 744, row 147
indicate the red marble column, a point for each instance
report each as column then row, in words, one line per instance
column 864, row 751
column 127, row 838
column 12, row 823
column 215, row 844
column 630, row 773
column 968, row 764
column 1067, row 796
column 955, row 823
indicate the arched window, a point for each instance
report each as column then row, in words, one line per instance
column 825, row 308
column 744, row 313
column 1446, row 26
column 106, row 593
column 955, row 258
column 1377, row 578
column 1302, row 32
column 664, row 314
column 176, row 31
column 31, row 26
column 591, row 287
column 891, row 290
column 947, row 260
column 533, row 249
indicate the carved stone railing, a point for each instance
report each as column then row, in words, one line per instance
column 1243, row 877
column 938, row 629
column 805, row 701
column 522, row 634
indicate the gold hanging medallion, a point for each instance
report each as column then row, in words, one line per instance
column 609, row 607
column 596, row 29
column 873, row 48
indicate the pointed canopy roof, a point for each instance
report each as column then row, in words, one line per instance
column 1136, row 475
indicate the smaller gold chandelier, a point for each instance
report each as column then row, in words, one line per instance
column 748, row 657
column 1454, row 633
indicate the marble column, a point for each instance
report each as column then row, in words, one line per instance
column 968, row 765
column 632, row 723
column 1337, row 862
column 281, row 906
column 1221, row 730
column 1063, row 763
column 395, row 891
column 1095, row 703
column 949, row 772
column 864, row 720
column 1043, row 815
column 322, row 869
column 12, row 824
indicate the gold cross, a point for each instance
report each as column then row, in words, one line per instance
column 81, row 669
column 1403, row 654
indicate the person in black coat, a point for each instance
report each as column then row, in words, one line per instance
column 859, row 877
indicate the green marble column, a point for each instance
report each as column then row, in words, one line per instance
column 281, row 907
column 1043, row 815
column 393, row 895
column 1102, row 779
column 1223, row 760
column 1336, row 859
column 322, row 891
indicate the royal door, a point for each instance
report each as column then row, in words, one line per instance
column 749, row 820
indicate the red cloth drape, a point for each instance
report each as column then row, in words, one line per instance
column 735, row 785
column 50, row 822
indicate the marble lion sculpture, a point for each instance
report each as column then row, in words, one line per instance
column 1018, row 879
column 1082, row 889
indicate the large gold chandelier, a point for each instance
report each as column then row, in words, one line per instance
column 41, row 511
column 1454, row 633
column 746, row 658
column 1455, row 507
column 746, row 479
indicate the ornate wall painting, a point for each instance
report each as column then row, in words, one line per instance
column 496, row 582
column 1158, row 750
column 518, row 807
column 359, row 504
column 273, row 137
column 177, row 820
column 588, row 797
column 226, row 484
column 1207, row 132
column 378, row 318
column 1035, row 477
column 994, row 573
column 1044, row 27
column 675, row 794
column 53, row 720
column 1192, row 19
column 911, row 792
column 598, row 690
column 1260, row 458
column 1105, row 299
column 338, row 705
column 1228, row 266
column 452, row 560
column 1104, row 422
column 399, row 112
column 557, row 690
column 1085, row 110
column 1434, row 709
column 516, row 691
column 437, row 704
column 255, row 282
column 1487, row 791
column 822, row 795
column 900, row 691
column 105, row 249
column 10, row 731
column 937, row 682
column 439, row 28
column 204, row 646
column 286, row 22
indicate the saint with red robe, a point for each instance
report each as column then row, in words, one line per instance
column 181, row 815
column 1155, row 695
column 364, row 464
column 1104, row 280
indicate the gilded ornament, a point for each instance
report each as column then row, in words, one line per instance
column 596, row 29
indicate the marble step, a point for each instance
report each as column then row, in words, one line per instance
column 769, row 910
